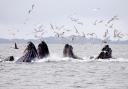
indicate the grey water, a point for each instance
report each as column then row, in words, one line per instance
column 65, row 73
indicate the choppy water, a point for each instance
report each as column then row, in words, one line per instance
column 57, row 72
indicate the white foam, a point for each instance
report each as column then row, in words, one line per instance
column 53, row 58
column 58, row 58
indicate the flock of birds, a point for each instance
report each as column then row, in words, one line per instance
column 60, row 31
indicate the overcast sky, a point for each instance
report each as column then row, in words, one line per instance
column 14, row 16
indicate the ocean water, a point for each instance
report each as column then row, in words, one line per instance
column 56, row 72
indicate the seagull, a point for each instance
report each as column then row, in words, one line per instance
column 91, row 34
column 40, row 27
column 76, row 31
column 32, row 7
column 80, row 23
column 83, row 35
column 112, row 19
column 95, row 23
column 73, row 38
column 118, row 34
column 101, row 21
column 39, row 35
column 38, row 30
column 68, row 30
column 74, row 19
column 106, row 33
column 111, row 26
column 96, row 9
column 29, row 11
column 59, row 34
column 52, row 27
column 59, row 28
column 115, row 33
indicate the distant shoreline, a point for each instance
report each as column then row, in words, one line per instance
column 55, row 40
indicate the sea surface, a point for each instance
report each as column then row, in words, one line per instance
column 57, row 72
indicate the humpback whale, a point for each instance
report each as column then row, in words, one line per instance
column 68, row 52
column 10, row 58
column 30, row 53
column 106, row 53
column 42, row 50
